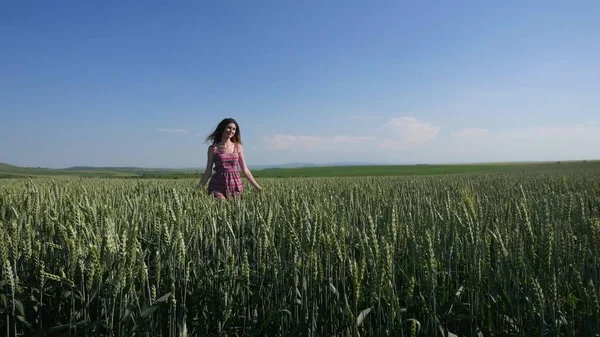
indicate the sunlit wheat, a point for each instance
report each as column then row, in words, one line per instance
column 473, row 255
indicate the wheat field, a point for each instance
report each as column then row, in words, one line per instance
column 456, row 255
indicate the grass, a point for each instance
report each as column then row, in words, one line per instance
column 496, row 253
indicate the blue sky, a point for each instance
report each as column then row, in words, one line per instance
column 118, row 83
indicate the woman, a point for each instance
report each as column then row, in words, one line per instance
column 226, row 153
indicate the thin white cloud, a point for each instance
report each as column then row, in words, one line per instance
column 396, row 133
column 401, row 132
column 408, row 139
column 526, row 143
column 173, row 130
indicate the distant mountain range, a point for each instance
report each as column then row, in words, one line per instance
column 185, row 169
column 9, row 170
column 302, row 169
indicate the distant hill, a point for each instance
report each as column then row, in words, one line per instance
column 4, row 166
column 304, row 169
column 128, row 169
column 7, row 170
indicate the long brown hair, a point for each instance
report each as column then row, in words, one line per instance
column 216, row 135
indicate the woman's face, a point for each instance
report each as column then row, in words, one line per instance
column 229, row 131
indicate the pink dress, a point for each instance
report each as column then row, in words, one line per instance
column 226, row 180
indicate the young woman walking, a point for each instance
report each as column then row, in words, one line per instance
column 226, row 154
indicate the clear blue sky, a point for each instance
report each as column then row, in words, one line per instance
column 109, row 83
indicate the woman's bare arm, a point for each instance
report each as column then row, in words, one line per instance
column 246, row 170
column 208, row 170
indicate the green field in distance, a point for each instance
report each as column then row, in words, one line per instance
column 9, row 171
column 399, row 170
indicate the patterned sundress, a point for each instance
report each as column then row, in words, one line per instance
column 226, row 180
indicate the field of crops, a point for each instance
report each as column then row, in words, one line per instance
column 472, row 255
